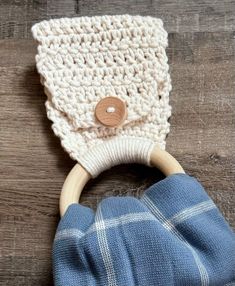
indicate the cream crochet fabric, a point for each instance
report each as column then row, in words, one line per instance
column 81, row 61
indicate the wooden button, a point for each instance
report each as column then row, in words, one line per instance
column 111, row 111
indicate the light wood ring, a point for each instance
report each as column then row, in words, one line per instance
column 78, row 177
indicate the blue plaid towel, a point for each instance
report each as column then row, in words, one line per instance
column 173, row 235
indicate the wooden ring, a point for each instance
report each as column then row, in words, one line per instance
column 78, row 177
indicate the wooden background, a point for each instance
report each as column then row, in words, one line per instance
column 33, row 164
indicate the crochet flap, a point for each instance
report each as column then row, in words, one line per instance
column 83, row 60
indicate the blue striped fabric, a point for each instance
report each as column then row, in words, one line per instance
column 173, row 235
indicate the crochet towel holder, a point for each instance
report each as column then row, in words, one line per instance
column 78, row 176
column 107, row 84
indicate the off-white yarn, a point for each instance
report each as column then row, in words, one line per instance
column 81, row 61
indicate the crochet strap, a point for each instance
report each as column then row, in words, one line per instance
column 109, row 154
column 115, row 152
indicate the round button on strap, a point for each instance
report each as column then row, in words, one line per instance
column 111, row 111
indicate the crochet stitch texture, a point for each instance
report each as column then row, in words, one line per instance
column 82, row 60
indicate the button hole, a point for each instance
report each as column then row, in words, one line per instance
column 110, row 109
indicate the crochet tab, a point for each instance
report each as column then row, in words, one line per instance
column 84, row 60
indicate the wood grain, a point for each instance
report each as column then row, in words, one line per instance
column 33, row 165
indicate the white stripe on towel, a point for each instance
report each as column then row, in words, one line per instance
column 104, row 248
column 170, row 227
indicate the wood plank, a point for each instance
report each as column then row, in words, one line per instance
column 17, row 17
column 33, row 165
